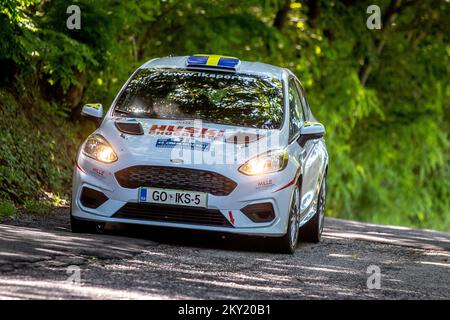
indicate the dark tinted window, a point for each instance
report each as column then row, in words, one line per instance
column 295, row 110
column 230, row 99
column 305, row 106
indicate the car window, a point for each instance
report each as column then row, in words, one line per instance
column 305, row 106
column 295, row 110
column 230, row 99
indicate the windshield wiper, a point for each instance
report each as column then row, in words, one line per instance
column 122, row 111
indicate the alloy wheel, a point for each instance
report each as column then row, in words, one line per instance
column 294, row 217
column 321, row 205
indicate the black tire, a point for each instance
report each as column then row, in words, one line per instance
column 288, row 243
column 312, row 230
column 82, row 226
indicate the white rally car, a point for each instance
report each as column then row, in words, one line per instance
column 205, row 142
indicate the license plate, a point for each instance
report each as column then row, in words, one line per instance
column 173, row 197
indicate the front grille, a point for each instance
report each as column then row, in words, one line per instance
column 175, row 178
column 167, row 213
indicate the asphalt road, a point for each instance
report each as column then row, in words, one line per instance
column 40, row 258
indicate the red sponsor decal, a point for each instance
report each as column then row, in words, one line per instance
column 182, row 131
column 230, row 214
column 79, row 167
column 292, row 182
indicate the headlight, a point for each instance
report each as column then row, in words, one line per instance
column 272, row 161
column 98, row 148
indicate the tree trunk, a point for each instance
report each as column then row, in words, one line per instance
column 313, row 12
column 281, row 16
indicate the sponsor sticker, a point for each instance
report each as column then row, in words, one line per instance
column 179, row 143
column 204, row 75
column 263, row 184
column 186, row 131
column 98, row 171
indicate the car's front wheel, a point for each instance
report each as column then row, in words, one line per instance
column 288, row 243
column 312, row 230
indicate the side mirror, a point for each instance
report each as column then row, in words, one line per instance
column 93, row 112
column 310, row 131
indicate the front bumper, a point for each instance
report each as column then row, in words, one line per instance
column 249, row 190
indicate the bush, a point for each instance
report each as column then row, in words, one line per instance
column 37, row 207
column 37, row 149
column 7, row 209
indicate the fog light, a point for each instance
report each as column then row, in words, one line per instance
column 91, row 198
column 259, row 212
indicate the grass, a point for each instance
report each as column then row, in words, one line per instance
column 37, row 207
column 7, row 209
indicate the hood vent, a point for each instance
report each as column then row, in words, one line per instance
column 133, row 128
column 244, row 138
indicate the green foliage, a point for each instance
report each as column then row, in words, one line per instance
column 388, row 140
column 99, row 26
column 63, row 59
column 16, row 30
column 7, row 209
column 34, row 156
column 383, row 95
column 36, row 207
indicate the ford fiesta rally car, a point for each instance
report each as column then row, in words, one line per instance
column 205, row 142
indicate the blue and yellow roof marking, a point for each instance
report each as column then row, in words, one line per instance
column 213, row 61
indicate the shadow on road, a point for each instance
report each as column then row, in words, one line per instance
column 416, row 238
column 194, row 238
column 146, row 262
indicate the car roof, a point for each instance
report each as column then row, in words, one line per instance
column 245, row 67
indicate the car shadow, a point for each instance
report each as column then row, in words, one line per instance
column 196, row 238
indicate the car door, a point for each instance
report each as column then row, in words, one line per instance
column 311, row 160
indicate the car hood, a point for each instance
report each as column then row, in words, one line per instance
column 169, row 141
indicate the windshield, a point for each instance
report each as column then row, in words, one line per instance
column 230, row 99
